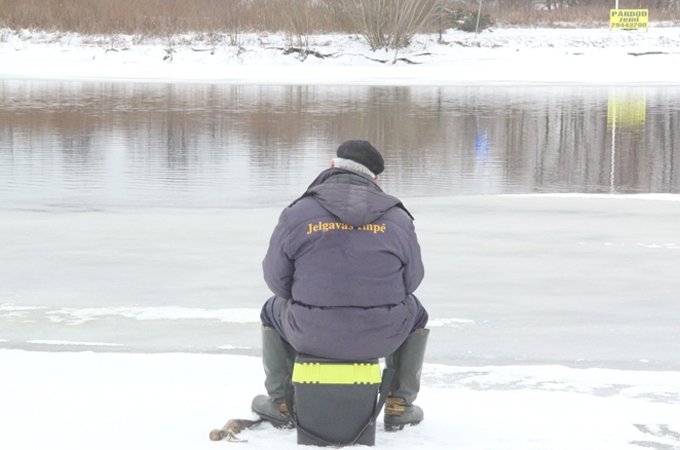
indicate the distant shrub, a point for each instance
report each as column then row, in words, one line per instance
column 390, row 23
column 466, row 20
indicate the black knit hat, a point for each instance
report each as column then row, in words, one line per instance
column 363, row 153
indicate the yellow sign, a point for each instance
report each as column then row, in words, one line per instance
column 628, row 19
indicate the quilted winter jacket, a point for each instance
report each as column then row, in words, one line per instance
column 346, row 258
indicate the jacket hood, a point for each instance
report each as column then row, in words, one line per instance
column 353, row 198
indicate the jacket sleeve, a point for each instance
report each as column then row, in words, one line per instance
column 413, row 269
column 278, row 268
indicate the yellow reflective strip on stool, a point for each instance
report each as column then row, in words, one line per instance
column 331, row 373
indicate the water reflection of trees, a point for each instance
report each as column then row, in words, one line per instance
column 535, row 139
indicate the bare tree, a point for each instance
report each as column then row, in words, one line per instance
column 233, row 13
column 300, row 22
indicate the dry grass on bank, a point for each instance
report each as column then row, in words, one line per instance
column 582, row 16
column 162, row 17
column 297, row 17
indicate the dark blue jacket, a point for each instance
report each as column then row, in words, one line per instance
column 346, row 258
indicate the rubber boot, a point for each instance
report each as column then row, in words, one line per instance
column 278, row 358
column 407, row 362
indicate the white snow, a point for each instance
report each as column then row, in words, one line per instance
column 449, row 322
column 662, row 197
column 666, row 245
column 77, row 316
column 171, row 401
column 70, row 343
column 504, row 55
column 72, row 401
column 232, row 347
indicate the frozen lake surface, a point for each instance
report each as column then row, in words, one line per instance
column 577, row 280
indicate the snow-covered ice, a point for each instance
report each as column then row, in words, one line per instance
column 582, row 280
column 120, row 398
column 171, row 401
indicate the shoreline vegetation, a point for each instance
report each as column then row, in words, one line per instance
column 384, row 24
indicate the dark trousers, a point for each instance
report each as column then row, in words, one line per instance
column 271, row 314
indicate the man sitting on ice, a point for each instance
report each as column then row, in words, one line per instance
column 343, row 263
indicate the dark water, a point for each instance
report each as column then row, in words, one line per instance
column 107, row 144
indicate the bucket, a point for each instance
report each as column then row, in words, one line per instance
column 335, row 401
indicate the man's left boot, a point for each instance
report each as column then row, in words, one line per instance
column 277, row 357
column 407, row 362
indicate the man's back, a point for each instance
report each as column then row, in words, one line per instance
column 347, row 257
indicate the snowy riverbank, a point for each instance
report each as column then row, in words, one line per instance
column 504, row 55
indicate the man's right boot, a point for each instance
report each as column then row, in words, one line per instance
column 407, row 362
column 277, row 357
